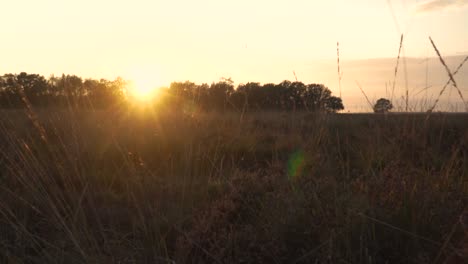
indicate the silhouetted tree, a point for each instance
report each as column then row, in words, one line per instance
column 71, row 90
column 104, row 93
column 35, row 87
column 219, row 93
column 23, row 87
column 68, row 90
column 248, row 95
column 10, row 91
column 382, row 106
column 333, row 104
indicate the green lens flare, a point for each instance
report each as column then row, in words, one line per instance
column 295, row 164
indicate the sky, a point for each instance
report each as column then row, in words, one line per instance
column 248, row 40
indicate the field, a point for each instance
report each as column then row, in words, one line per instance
column 269, row 187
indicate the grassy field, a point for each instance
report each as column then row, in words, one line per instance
column 153, row 187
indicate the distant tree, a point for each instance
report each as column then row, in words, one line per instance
column 314, row 97
column 249, row 94
column 382, row 106
column 16, row 89
column 71, row 90
column 10, row 91
column 219, row 93
column 333, row 104
column 289, row 96
column 35, row 87
column 67, row 90
column 104, row 93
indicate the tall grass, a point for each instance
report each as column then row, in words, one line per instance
column 154, row 187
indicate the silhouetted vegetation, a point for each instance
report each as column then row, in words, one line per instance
column 16, row 90
column 197, row 180
column 383, row 106
column 122, row 187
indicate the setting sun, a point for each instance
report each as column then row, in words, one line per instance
column 142, row 89
column 144, row 83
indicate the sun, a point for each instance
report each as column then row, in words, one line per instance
column 143, row 89
column 144, row 84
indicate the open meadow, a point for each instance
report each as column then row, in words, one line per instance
column 234, row 132
column 144, row 186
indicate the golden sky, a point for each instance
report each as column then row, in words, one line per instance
column 204, row 40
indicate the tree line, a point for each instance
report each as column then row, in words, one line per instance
column 19, row 90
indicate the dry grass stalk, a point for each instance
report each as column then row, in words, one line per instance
column 406, row 81
column 396, row 67
column 446, row 85
column 338, row 62
column 454, row 83
column 392, row 12
column 32, row 115
column 367, row 98
column 295, row 76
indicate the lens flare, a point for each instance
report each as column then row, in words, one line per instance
column 295, row 164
